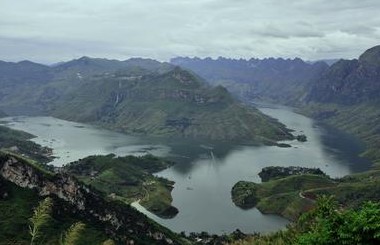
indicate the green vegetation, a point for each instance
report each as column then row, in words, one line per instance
column 40, row 218
column 137, row 96
column 19, row 142
column 73, row 202
column 281, row 196
column 73, row 234
column 173, row 104
column 326, row 224
column 128, row 179
column 43, row 169
column 293, row 195
column 275, row 172
column 16, row 207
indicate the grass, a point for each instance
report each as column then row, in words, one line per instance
column 291, row 196
column 128, row 179
column 17, row 208
column 280, row 196
column 145, row 106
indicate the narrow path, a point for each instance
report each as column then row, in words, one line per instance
column 146, row 197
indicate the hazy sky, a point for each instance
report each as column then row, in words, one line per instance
column 56, row 30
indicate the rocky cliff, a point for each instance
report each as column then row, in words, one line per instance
column 120, row 221
column 350, row 82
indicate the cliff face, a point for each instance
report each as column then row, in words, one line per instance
column 350, row 82
column 119, row 220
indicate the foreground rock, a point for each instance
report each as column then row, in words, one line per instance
column 118, row 220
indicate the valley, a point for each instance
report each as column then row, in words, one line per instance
column 137, row 96
column 344, row 95
column 206, row 122
column 200, row 168
column 159, row 138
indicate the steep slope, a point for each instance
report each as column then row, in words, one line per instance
column 279, row 80
column 348, row 96
column 29, row 88
column 128, row 179
column 118, row 221
column 139, row 96
column 175, row 104
column 350, row 82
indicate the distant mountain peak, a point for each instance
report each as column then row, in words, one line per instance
column 85, row 58
column 371, row 56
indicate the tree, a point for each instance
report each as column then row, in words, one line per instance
column 328, row 224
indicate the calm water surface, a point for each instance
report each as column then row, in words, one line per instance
column 205, row 172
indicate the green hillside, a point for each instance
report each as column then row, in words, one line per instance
column 17, row 207
column 291, row 196
column 136, row 96
column 172, row 104
column 128, row 179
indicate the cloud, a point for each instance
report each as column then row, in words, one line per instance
column 55, row 30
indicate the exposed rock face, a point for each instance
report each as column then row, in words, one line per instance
column 349, row 82
column 119, row 220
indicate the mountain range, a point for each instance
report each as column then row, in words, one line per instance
column 136, row 96
column 345, row 94
column 146, row 97
column 276, row 79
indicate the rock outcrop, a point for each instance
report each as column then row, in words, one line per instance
column 120, row 221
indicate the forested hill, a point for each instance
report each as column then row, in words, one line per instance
column 137, row 96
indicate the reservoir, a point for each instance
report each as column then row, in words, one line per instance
column 206, row 171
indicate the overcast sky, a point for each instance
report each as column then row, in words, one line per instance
column 55, row 30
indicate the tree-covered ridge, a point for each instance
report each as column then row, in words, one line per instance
column 138, row 96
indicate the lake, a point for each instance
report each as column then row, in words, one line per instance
column 206, row 171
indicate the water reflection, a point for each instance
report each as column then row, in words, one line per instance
column 206, row 171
